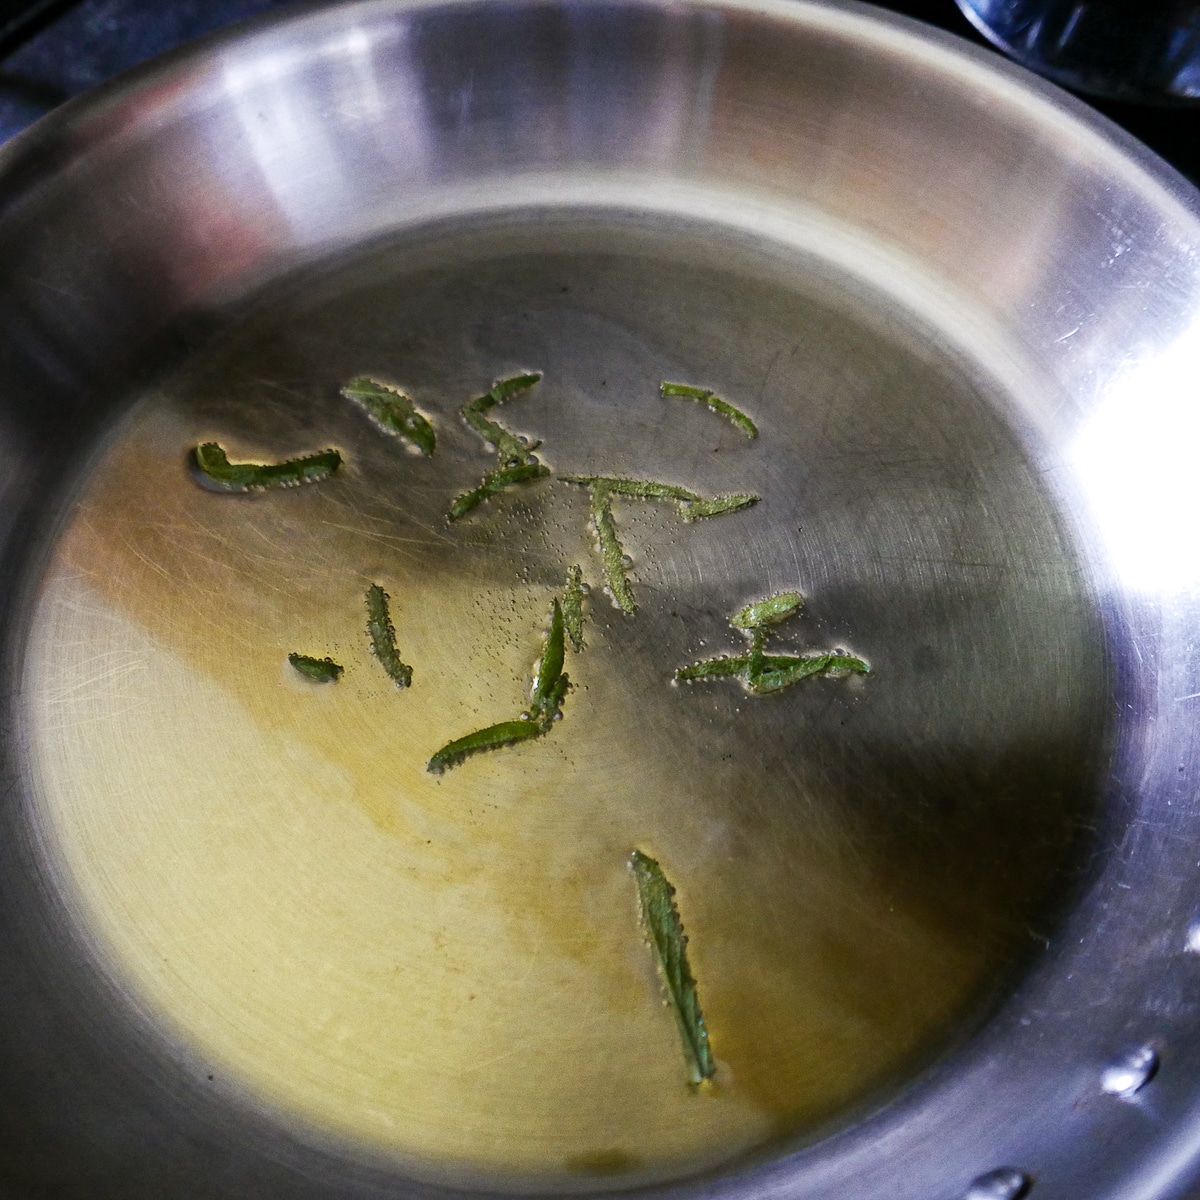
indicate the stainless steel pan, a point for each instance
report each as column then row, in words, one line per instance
column 962, row 310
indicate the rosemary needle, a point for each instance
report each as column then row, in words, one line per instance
column 688, row 504
column 665, row 932
column 643, row 489
column 612, row 553
column 764, row 672
column 215, row 471
column 548, row 671
column 714, row 402
column 491, row 738
column 383, row 637
column 493, row 482
column 550, row 684
column 782, row 670
column 390, row 409
column 573, row 607
column 515, row 461
column 767, row 612
column 319, row 670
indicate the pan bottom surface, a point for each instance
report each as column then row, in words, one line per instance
column 449, row 972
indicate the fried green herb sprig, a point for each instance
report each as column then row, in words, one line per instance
column 572, row 606
column 689, row 505
column 549, row 682
column 767, row 612
column 762, row 672
column 509, row 449
column 516, row 462
column 493, row 482
column 382, row 633
column 392, row 411
column 664, row 930
column 714, row 402
column 506, row 733
column 550, row 685
column 319, row 670
column 612, row 553
column 776, row 671
column 214, row 470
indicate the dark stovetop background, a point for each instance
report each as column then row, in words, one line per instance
column 53, row 49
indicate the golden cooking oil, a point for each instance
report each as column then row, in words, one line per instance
column 448, row 971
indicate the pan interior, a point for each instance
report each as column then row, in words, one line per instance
column 449, row 971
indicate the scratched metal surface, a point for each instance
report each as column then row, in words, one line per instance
column 252, row 948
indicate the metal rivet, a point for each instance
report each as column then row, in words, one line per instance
column 1005, row 1183
column 1130, row 1073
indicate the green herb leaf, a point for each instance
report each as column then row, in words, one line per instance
column 763, row 672
column 551, row 709
column 491, row 738
column 216, row 472
column 392, row 411
column 716, row 506
column 642, row 489
column 689, row 505
column 767, row 612
column 506, row 389
column 493, row 482
column 383, row 637
column 509, row 449
column 738, row 665
column 665, row 932
column 550, row 684
column 573, row 607
column 714, row 402
column 612, row 554
column 319, row 670
column 549, row 668
column 782, row 670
